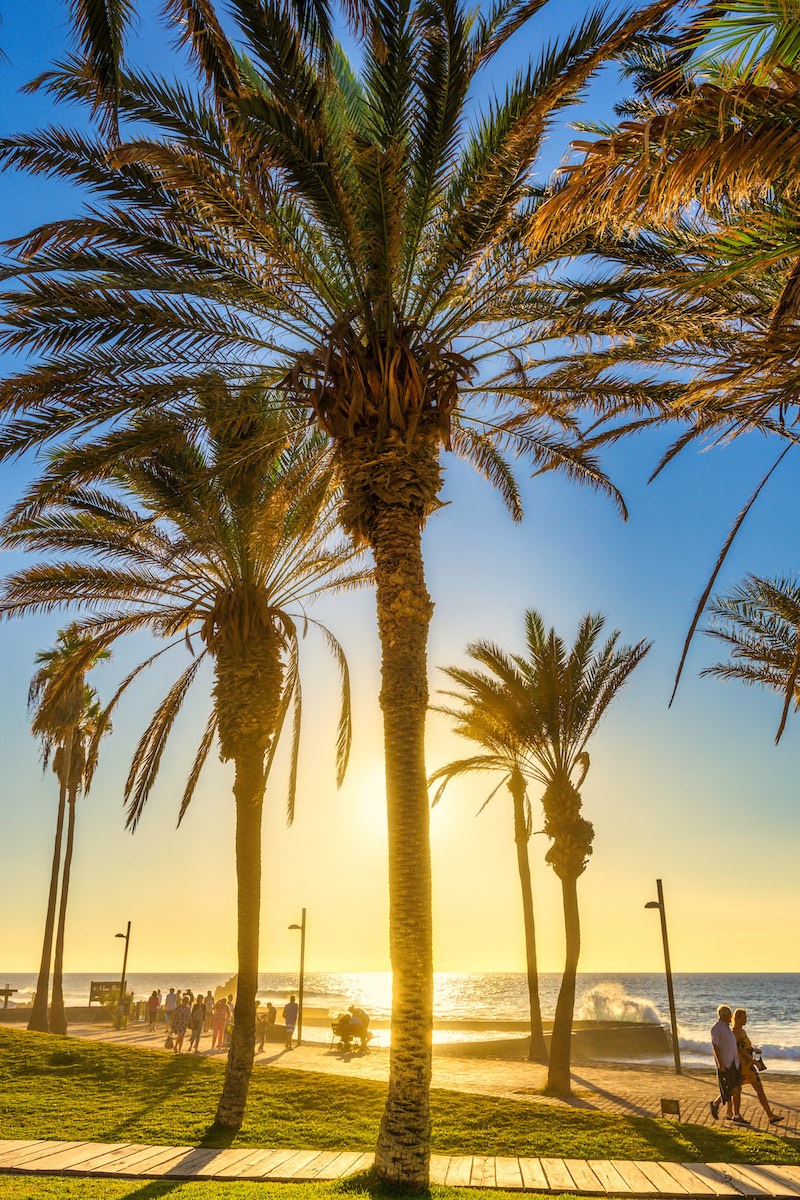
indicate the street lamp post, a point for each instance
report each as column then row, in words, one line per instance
column 302, row 928
column 121, row 1004
column 659, row 904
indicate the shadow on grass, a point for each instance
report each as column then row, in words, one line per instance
column 151, row 1189
column 173, row 1075
column 369, row 1182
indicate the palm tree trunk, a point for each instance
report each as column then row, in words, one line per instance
column 249, row 793
column 247, row 693
column 58, row 1017
column 38, row 1018
column 537, row 1051
column 558, row 1077
column 404, row 612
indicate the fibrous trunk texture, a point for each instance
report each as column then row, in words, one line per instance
column 38, row 1018
column 58, row 1017
column 538, row 1050
column 559, row 1075
column 387, row 498
column 247, row 692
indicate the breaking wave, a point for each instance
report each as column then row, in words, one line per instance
column 610, row 1002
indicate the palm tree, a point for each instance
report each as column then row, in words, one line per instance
column 547, row 704
column 211, row 536
column 759, row 622
column 489, row 716
column 350, row 234
column 79, row 781
column 56, row 700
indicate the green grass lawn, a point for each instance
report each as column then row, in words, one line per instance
column 53, row 1087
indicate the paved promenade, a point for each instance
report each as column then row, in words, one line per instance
column 550, row 1176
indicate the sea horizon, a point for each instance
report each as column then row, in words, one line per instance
column 772, row 1000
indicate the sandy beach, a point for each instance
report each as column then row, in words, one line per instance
column 625, row 1089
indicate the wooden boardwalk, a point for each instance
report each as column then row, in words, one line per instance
column 551, row 1176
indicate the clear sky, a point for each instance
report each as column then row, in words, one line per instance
column 697, row 795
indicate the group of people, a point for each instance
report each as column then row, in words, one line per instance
column 738, row 1062
column 352, row 1025
column 183, row 1011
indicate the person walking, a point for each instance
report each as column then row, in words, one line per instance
column 198, row 1022
column 749, row 1056
column 170, row 1004
column 179, row 1024
column 221, row 1016
column 209, row 1011
column 152, row 1011
column 290, row 1012
column 726, row 1056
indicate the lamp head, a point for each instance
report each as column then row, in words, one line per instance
column 652, row 904
column 122, row 935
column 295, row 926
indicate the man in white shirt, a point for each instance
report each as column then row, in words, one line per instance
column 170, row 1004
column 726, row 1056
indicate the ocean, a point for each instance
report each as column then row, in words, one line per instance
column 478, row 1000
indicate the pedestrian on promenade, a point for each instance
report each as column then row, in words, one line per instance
column 170, row 1004
column 221, row 1017
column 290, row 1012
column 750, row 1058
column 152, row 1011
column 198, row 1020
column 726, row 1056
column 179, row 1023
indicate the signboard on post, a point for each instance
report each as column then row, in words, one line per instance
column 103, row 993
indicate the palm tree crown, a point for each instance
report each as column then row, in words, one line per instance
column 759, row 623
column 536, row 713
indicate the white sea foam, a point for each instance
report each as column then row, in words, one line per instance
column 610, row 1002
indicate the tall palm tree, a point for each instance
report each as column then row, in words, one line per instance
column 484, row 718
column 350, row 233
column 56, row 700
column 759, row 623
column 79, row 781
column 548, row 704
column 211, row 536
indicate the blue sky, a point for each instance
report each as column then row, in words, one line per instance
column 698, row 794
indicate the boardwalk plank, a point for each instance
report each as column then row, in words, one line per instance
column 483, row 1171
column 317, row 1169
column 226, row 1162
column 9, row 1157
column 770, row 1179
column 508, row 1174
column 439, row 1166
column 347, row 1163
column 294, row 1167
column 533, row 1175
column 188, row 1166
column 635, row 1178
column 362, row 1163
column 262, row 1161
column 459, row 1171
column 740, row 1179
column 667, row 1184
column 586, row 1182
column 721, row 1185
column 38, row 1152
column 609, row 1176
column 557, row 1175
column 99, row 1156
column 7, row 1145
column 693, row 1184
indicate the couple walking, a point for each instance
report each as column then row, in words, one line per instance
column 738, row 1062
